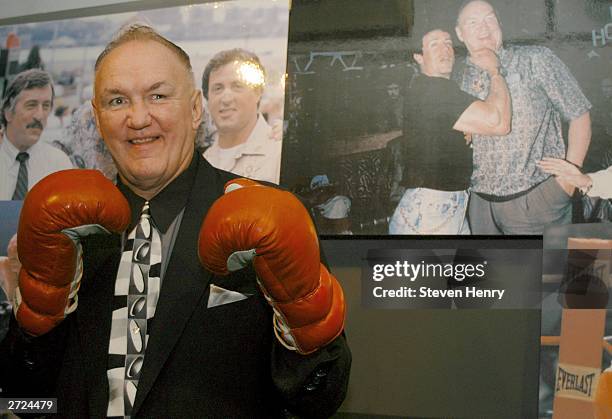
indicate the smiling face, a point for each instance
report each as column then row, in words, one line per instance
column 438, row 56
column 26, row 122
column 234, row 91
column 478, row 27
column 147, row 111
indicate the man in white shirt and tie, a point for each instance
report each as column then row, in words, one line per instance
column 24, row 160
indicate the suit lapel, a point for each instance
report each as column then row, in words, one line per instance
column 101, row 259
column 184, row 282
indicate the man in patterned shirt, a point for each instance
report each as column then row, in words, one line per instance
column 512, row 195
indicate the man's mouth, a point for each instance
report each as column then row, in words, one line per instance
column 143, row 140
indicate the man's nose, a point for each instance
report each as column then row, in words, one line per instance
column 483, row 28
column 227, row 96
column 41, row 113
column 139, row 116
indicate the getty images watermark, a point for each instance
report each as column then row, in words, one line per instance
column 481, row 278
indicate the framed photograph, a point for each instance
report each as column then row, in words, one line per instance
column 376, row 145
column 66, row 51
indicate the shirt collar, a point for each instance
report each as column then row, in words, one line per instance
column 167, row 204
column 255, row 144
column 504, row 55
column 12, row 151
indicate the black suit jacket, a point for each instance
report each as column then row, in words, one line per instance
column 204, row 362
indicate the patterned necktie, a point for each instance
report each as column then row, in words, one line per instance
column 21, row 188
column 136, row 294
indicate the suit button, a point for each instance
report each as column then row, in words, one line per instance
column 319, row 375
column 310, row 387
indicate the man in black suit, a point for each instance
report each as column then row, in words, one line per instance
column 207, row 345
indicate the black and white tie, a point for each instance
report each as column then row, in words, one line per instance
column 136, row 294
column 21, row 187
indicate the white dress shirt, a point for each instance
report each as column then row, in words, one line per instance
column 258, row 158
column 44, row 159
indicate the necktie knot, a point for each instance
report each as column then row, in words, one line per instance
column 22, row 157
column 144, row 223
column 145, row 212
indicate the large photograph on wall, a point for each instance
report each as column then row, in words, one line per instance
column 46, row 87
column 51, row 65
column 416, row 117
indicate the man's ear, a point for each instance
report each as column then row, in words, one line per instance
column 95, row 115
column 197, row 109
column 8, row 115
column 459, row 33
column 418, row 58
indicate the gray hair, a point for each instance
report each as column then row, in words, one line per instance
column 26, row 80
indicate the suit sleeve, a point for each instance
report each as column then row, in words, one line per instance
column 30, row 365
column 315, row 385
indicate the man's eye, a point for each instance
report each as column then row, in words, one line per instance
column 157, row 96
column 116, row 101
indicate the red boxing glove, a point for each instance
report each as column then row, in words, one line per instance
column 274, row 230
column 57, row 212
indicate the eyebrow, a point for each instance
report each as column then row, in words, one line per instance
column 439, row 40
column 112, row 91
column 118, row 91
column 158, row 85
column 475, row 17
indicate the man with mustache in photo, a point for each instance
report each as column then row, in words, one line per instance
column 24, row 160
